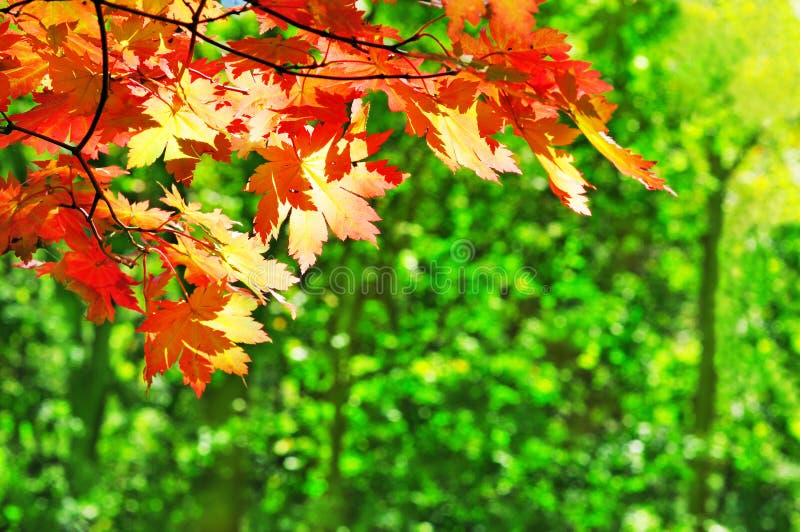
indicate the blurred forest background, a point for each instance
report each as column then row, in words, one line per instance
column 636, row 370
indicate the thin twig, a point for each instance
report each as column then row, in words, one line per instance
column 352, row 41
column 193, row 39
column 104, row 90
column 10, row 127
column 8, row 9
column 281, row 69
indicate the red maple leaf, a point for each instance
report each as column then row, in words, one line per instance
column 90, row 273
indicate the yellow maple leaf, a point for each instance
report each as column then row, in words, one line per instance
column 233, row 360
column 224, row 253
column 175, row 122
column 307, row 232
column 200, row 263
column 590, row 115
column 236, row 321
column 215, row 223
column 566, row 181
column 243, row 258
column 457, row 141
column 347, row 214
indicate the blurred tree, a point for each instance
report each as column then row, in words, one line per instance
column 725, row 106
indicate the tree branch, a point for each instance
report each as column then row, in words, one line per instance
column 8, row 9
column 281, row 69
column 101, row 23
column 352, row 41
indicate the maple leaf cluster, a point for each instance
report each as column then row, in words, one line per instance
column 125, row 73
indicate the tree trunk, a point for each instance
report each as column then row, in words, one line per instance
column 221, row 489
column 706, row 392
column 88, row 388
column 337, row 506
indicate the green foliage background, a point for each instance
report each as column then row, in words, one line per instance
column 546, row 371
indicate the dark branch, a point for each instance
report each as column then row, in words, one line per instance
column 285, row 70
column 101, row 103
column 12, row 7
column 98, row 189
column 280, row 69
column 193, row 39
column 352, row 41
column 10, row 126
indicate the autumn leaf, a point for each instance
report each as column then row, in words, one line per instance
column 586, row 116
column 307, row 233
column 23, row 214
column 138, row 214
column 278, row 50
column 90, row 273
column 566, row 181
column 201, row 334
column 457, row 141
column 214, row 222
column 512, row 21
column 203, row 265
column 236, row 321
column 321, row 185
column 173, row 327
column 5, row 92
column 175, row 121
column 460, row 11
column 79, row 81
column 233, row 361
column 342, row 17
column 196, row 368
column 243, row 259
column 223, row 254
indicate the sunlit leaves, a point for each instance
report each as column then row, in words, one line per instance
column 458, row 143
column 127, row 74
column 591, row 124
column 89, row 272
column 318, row 183
column 175, row 121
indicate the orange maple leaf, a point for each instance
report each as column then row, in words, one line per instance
column 512, row 21
column 316, row 181
column 587, row 116
column 200, row 333
column 459, row 11
column 173, row 327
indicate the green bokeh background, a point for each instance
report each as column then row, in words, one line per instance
column 499, row 363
